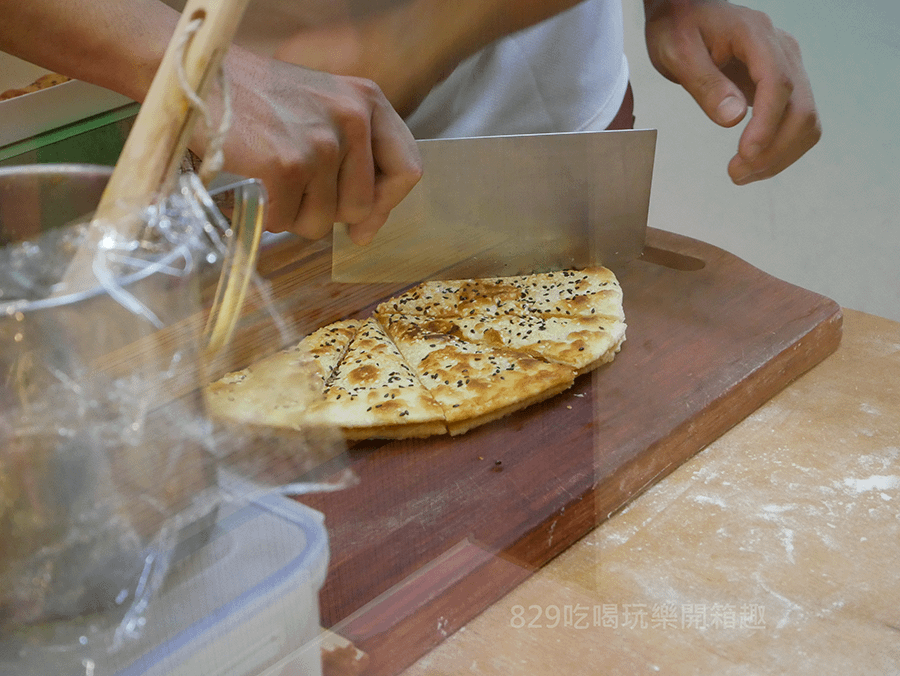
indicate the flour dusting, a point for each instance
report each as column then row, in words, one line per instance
column 707, row 499
column 779, row 508
column 869, row 409
column 873, row 483
column 787, row 539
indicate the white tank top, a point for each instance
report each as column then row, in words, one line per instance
column 568, row 73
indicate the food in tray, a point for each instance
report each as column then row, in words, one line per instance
column 43, row 82
column 442, row 357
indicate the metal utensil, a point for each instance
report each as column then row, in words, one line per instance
column 505, row 205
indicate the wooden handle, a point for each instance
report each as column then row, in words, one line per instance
column 157, row 141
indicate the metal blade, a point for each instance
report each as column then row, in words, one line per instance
column 507, row 205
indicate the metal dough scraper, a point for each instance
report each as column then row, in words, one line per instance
column 508, row 205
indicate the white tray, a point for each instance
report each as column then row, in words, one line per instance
column 38, row 112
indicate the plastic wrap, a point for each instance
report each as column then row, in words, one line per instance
column 109, row 466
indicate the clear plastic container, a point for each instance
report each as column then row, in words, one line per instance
column 103, row 461
column 245, row 603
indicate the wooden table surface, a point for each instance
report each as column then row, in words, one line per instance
column 775, row 550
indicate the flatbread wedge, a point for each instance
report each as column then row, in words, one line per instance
column 373, row 392
column 433, row 299
column 474, row 383
column 594, row 291
column 573, row 293
column 459, row 298
column 581, row 342
column 278, row 391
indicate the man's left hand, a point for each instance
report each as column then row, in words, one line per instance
column 730, row 57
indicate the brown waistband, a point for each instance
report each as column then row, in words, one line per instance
column 624, row 119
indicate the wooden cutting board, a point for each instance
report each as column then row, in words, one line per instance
column 438, row 529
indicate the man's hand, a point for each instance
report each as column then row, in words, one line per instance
column 328, row 149
column 730, row 57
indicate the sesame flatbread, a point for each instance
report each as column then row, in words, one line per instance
column 444, row 356
column 474, row 383
column 582, row 342
column 327, row 346
column 279, row 390
column 573, row 293
column 594, row 291
column 374, row 393
column 43, row 82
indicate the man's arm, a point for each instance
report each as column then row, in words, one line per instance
column 410, row 47
column 730, row 57
column 115, row 44
column 327, row 148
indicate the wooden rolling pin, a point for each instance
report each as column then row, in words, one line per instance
column 153, row 150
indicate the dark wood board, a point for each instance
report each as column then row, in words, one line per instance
column 438, row 529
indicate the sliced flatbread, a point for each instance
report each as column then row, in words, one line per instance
column 473, row 382
column 373, row 392
column 43, row 82
column 327, row 345
column 459, row 298
column 594, row 291
column 441, row 357
column 583, row 343
column 435, row 300
column 573, row 293
column 279, row 390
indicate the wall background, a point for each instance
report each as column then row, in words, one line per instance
column 830, row 222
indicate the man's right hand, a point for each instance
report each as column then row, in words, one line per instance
column 328, row 148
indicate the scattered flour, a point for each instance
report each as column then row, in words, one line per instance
column 868, row 408
column 779, row 508
column 873, row 483
column 787, row 539
column 709, row 500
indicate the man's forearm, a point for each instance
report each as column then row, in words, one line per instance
column 111, row 43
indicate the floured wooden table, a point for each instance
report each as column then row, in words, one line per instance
column 775, row 550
